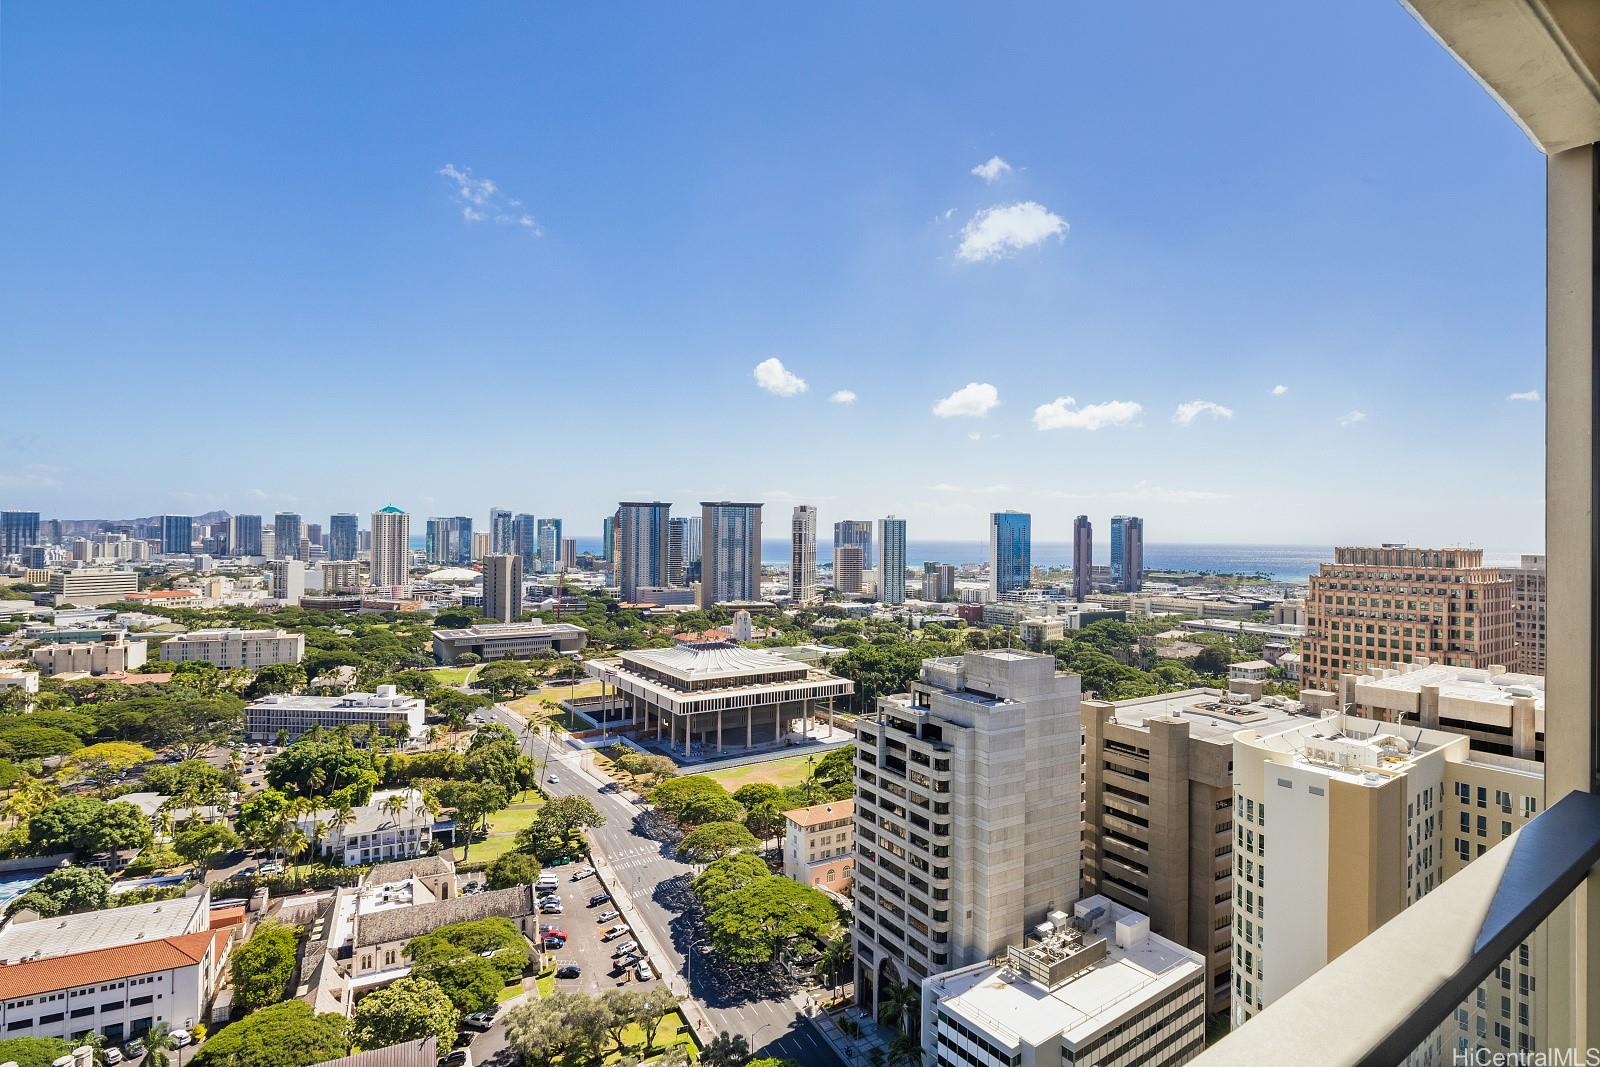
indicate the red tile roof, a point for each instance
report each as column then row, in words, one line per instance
column 109, row 964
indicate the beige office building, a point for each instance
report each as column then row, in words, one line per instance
column 1158, row 812
column 819, row 844
column 968, row 815
column 112, row 654
column 232, row 647
column 502, row 587
column 848, row 578
column 1528, row 595
column 391, row 550
column 1374, row 607
column 1364, row 818
column 90, row 587
column 1500, row 712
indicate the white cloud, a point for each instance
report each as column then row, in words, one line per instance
column 975, row 435
column 1279, row 390
column 779, row 380
column 1193, row 409
column 1000, row 231
column 993, row 170
column 1531, row 396
column 973, row 399
column 843, row 396
column 1063, row 413
column 1353, row 416
column 481, row 200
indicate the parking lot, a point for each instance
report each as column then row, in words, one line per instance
column 581, row 923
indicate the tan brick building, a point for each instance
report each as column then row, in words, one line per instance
column 1375, row 607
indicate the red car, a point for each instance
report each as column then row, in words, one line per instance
column 552, row 931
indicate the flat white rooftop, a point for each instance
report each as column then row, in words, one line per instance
column 1464, row 683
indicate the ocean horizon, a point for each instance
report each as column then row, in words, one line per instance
column 1281, row 563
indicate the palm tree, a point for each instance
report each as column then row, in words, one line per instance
column 159, row 1042
column 836, row 957
column 897, row 1005
column 394, row 804
column 341, row 817
column 905, row 1049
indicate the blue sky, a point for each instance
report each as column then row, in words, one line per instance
column 244, row 265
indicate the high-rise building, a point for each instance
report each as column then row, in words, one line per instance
column 1157, row 822
column 569, row 553
column 803, row 555
column 642, row 548
column 525, row 540
column 1082, row 557
column 549, row 545
column 314, row 535
column 892, row 560
column 1010, row 552
column 855, row 532
column 938, row 581
column 391, row 549
column 286, row 534
column 341, row 576
column 1367, row 817
column 450, row 540
column 500, row 536
column 18, row 530
column 1127, row 552
column 610, row 531
column 683, row 550
column 177, row 535
column 847, row 570
column 730, row 552
column 1528, row 595
column 968, row 811
column 482, row 545
column 244, row 535
column 1376, row 607
column 502, row 586
column 288, row 580
column 344, row 538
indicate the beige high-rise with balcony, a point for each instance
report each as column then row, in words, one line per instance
column 968, row 815
column 1374, row 607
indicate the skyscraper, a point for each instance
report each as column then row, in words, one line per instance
column 938, row 581
column 18, row 530
column 855, row 532
column 847, row 570
column 730, row 552
column 286, row 533
column 450, row 540
column 502, row 586
column 525, row 539
column 683, row 550
column 892, row 560
column 244, row 535
column 314, row 534
column 500, row 539
column 177, row 535
column 803, row 555
column 288, row 580
column 1082, row 557
column 569, row 553
column 643, row 547
column 1127, row 552
column 344, row 539
column 1010, row 551
column 391, row 549
column 549, row 545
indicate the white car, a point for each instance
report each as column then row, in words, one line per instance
column 644, row 971
column 180, row 1038
column 555, row 779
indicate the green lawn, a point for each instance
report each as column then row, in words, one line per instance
column 503, row 827
column 455, row 675
column 674, row 1030
column 779, row 772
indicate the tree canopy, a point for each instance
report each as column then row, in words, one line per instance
column 87, row 826
column 282, row 1035
column 715, row 840
column 409, row 1009
column 262, row 966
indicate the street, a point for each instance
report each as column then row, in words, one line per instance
column 757, row 1006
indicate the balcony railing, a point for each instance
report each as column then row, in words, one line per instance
column 1387, row 996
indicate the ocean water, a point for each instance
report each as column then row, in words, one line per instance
column 1281, row 563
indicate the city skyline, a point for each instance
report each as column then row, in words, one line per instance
column 1005, row 281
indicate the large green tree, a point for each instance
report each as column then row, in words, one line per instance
column 87, row 826
column 262, row 966
column 33, row 1051
column 66, row 891
column 715, row 840
column 513, row 869
column 557, row 830
column 756, row 923
column 410, row 1009
column 202, row 842
column 282, row 1035
column 671, row 797
column 322, row 768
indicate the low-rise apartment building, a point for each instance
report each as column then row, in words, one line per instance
column 111, row 653
column 818, row 843
column 508, row 640
column 1095, row 988
column 968, row 814
column 387, row 711
column 232, row 647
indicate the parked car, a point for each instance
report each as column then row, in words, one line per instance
column 644, row 970
column 553, row 944
column 460, row 1057
column 571, row 970
column 549, row 931
column 625, row 948
column 112, row 1055
column 134, row 1049
column 551, row 908
column 614, row 932
column 598, row 899
column 272, row 868
column 582, row 873
column 478, row 1020
column 180, row 1038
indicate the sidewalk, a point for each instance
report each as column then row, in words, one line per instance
column 857, row 1052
